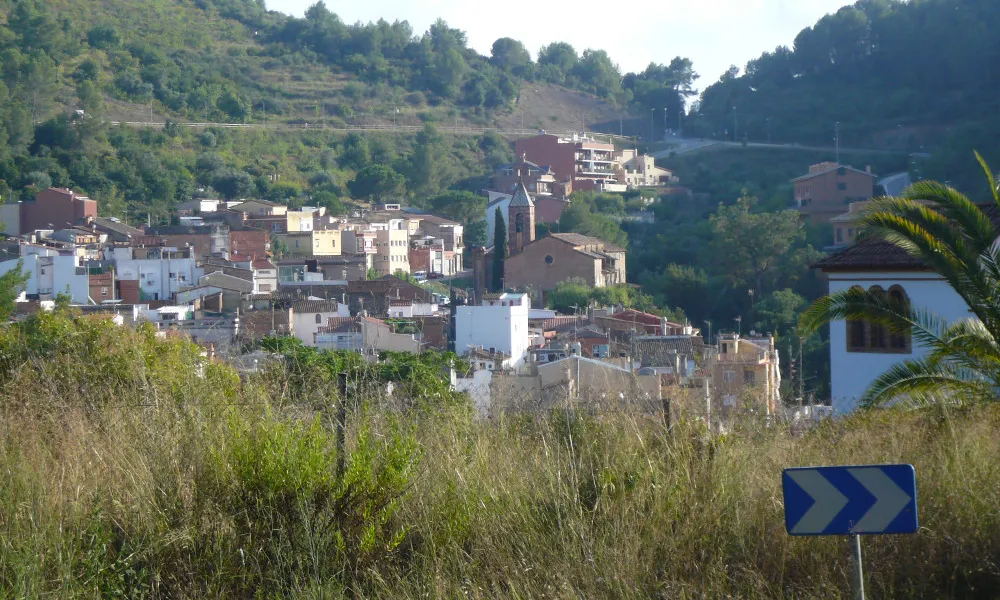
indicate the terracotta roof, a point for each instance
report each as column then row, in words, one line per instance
column 436, row 219
column 871, row 254
column 316, row 306
column 578, row 239
column 263, row 263
column 831, row 169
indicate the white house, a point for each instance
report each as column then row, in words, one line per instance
column 498, row 324
column 407, row 309
column 309, row 316
column 49, row 276
column 159, row 278
column 861, row 351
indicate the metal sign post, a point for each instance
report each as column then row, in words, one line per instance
column 854, row 501
column 859, row 575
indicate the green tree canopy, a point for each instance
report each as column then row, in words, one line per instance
column 377, row 182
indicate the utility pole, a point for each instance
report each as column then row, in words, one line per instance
column 768, row 121
column 652, row 126
column 736, row 135
column 664, row 122
column 802, row 392
column 680, row 123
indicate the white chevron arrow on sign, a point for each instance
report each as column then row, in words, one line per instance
column 890, row 500
column 828, row 501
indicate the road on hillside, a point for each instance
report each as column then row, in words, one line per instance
column 683, row 146
column 459, row 130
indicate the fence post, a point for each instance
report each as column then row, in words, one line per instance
column 341, row 424
column 666, row 415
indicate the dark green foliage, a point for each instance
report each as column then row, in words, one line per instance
column 593, row 214
column 464, row 207
column 376, row 182
column 11, row 284
column 888, row 71
column 499, row 251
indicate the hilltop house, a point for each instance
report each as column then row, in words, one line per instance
column 823, row 193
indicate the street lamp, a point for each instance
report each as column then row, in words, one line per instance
column 664, row 122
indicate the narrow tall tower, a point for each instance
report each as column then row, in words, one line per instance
column 521, row 219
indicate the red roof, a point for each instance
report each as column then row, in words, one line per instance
column 263, row 263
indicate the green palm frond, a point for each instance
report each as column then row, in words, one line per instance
column 923, row 381
column 957, row 239
column 990, row 178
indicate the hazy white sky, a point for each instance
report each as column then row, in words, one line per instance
column 712, row 33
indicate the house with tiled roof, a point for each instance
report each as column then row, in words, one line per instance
column 545, row 263
column 829, row 188
column 860, row 351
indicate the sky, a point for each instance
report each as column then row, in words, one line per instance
column 713, row 33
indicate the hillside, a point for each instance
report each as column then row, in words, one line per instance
column 885, row 73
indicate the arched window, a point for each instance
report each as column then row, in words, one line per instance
column 856, row 339
column 877, row 334
column 319, row 319
column 519, row 223
column 899, row 341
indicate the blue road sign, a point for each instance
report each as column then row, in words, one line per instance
column 867, row 499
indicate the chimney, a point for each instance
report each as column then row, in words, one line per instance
column 664, row 326
column 868, row 169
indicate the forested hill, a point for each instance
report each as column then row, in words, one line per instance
column 923, row 73
column 235, row 61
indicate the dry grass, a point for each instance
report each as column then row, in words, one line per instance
column 215, row 490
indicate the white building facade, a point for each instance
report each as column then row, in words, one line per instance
column 160, row 278
column 498, row 324
column 861, row 351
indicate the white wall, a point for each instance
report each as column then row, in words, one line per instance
column 53, row 275
column 851, row 373
column 504, row 328
column 504, row 205
column 154, row 275
column 305, row 327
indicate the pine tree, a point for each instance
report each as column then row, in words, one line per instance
column 499, row 251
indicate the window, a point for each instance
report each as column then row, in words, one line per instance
column 43, row 270
column 729, row 376
column 104, row 291
column 842, row 186
column 319, row 319
column 173, row 275
column 548, row 259
column 749, row 376
column 856, row 330
column 866, row 336
column 899, row 341
column 840, row 235
column 877, row 332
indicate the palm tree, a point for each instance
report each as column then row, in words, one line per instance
column 957, row 239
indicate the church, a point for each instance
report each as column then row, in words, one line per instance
column 538, row 266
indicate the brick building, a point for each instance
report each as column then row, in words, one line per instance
column 56, row 208
column 544, row 263
column 829, row 188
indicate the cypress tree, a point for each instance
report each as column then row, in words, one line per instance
column 499, row 251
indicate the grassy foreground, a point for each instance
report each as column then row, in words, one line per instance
column 130, row 469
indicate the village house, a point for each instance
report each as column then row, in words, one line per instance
column 828, row 188
column 55, row 208
column 499, row 323
column 746, row 375
column 860, row 350
column 544, row 263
